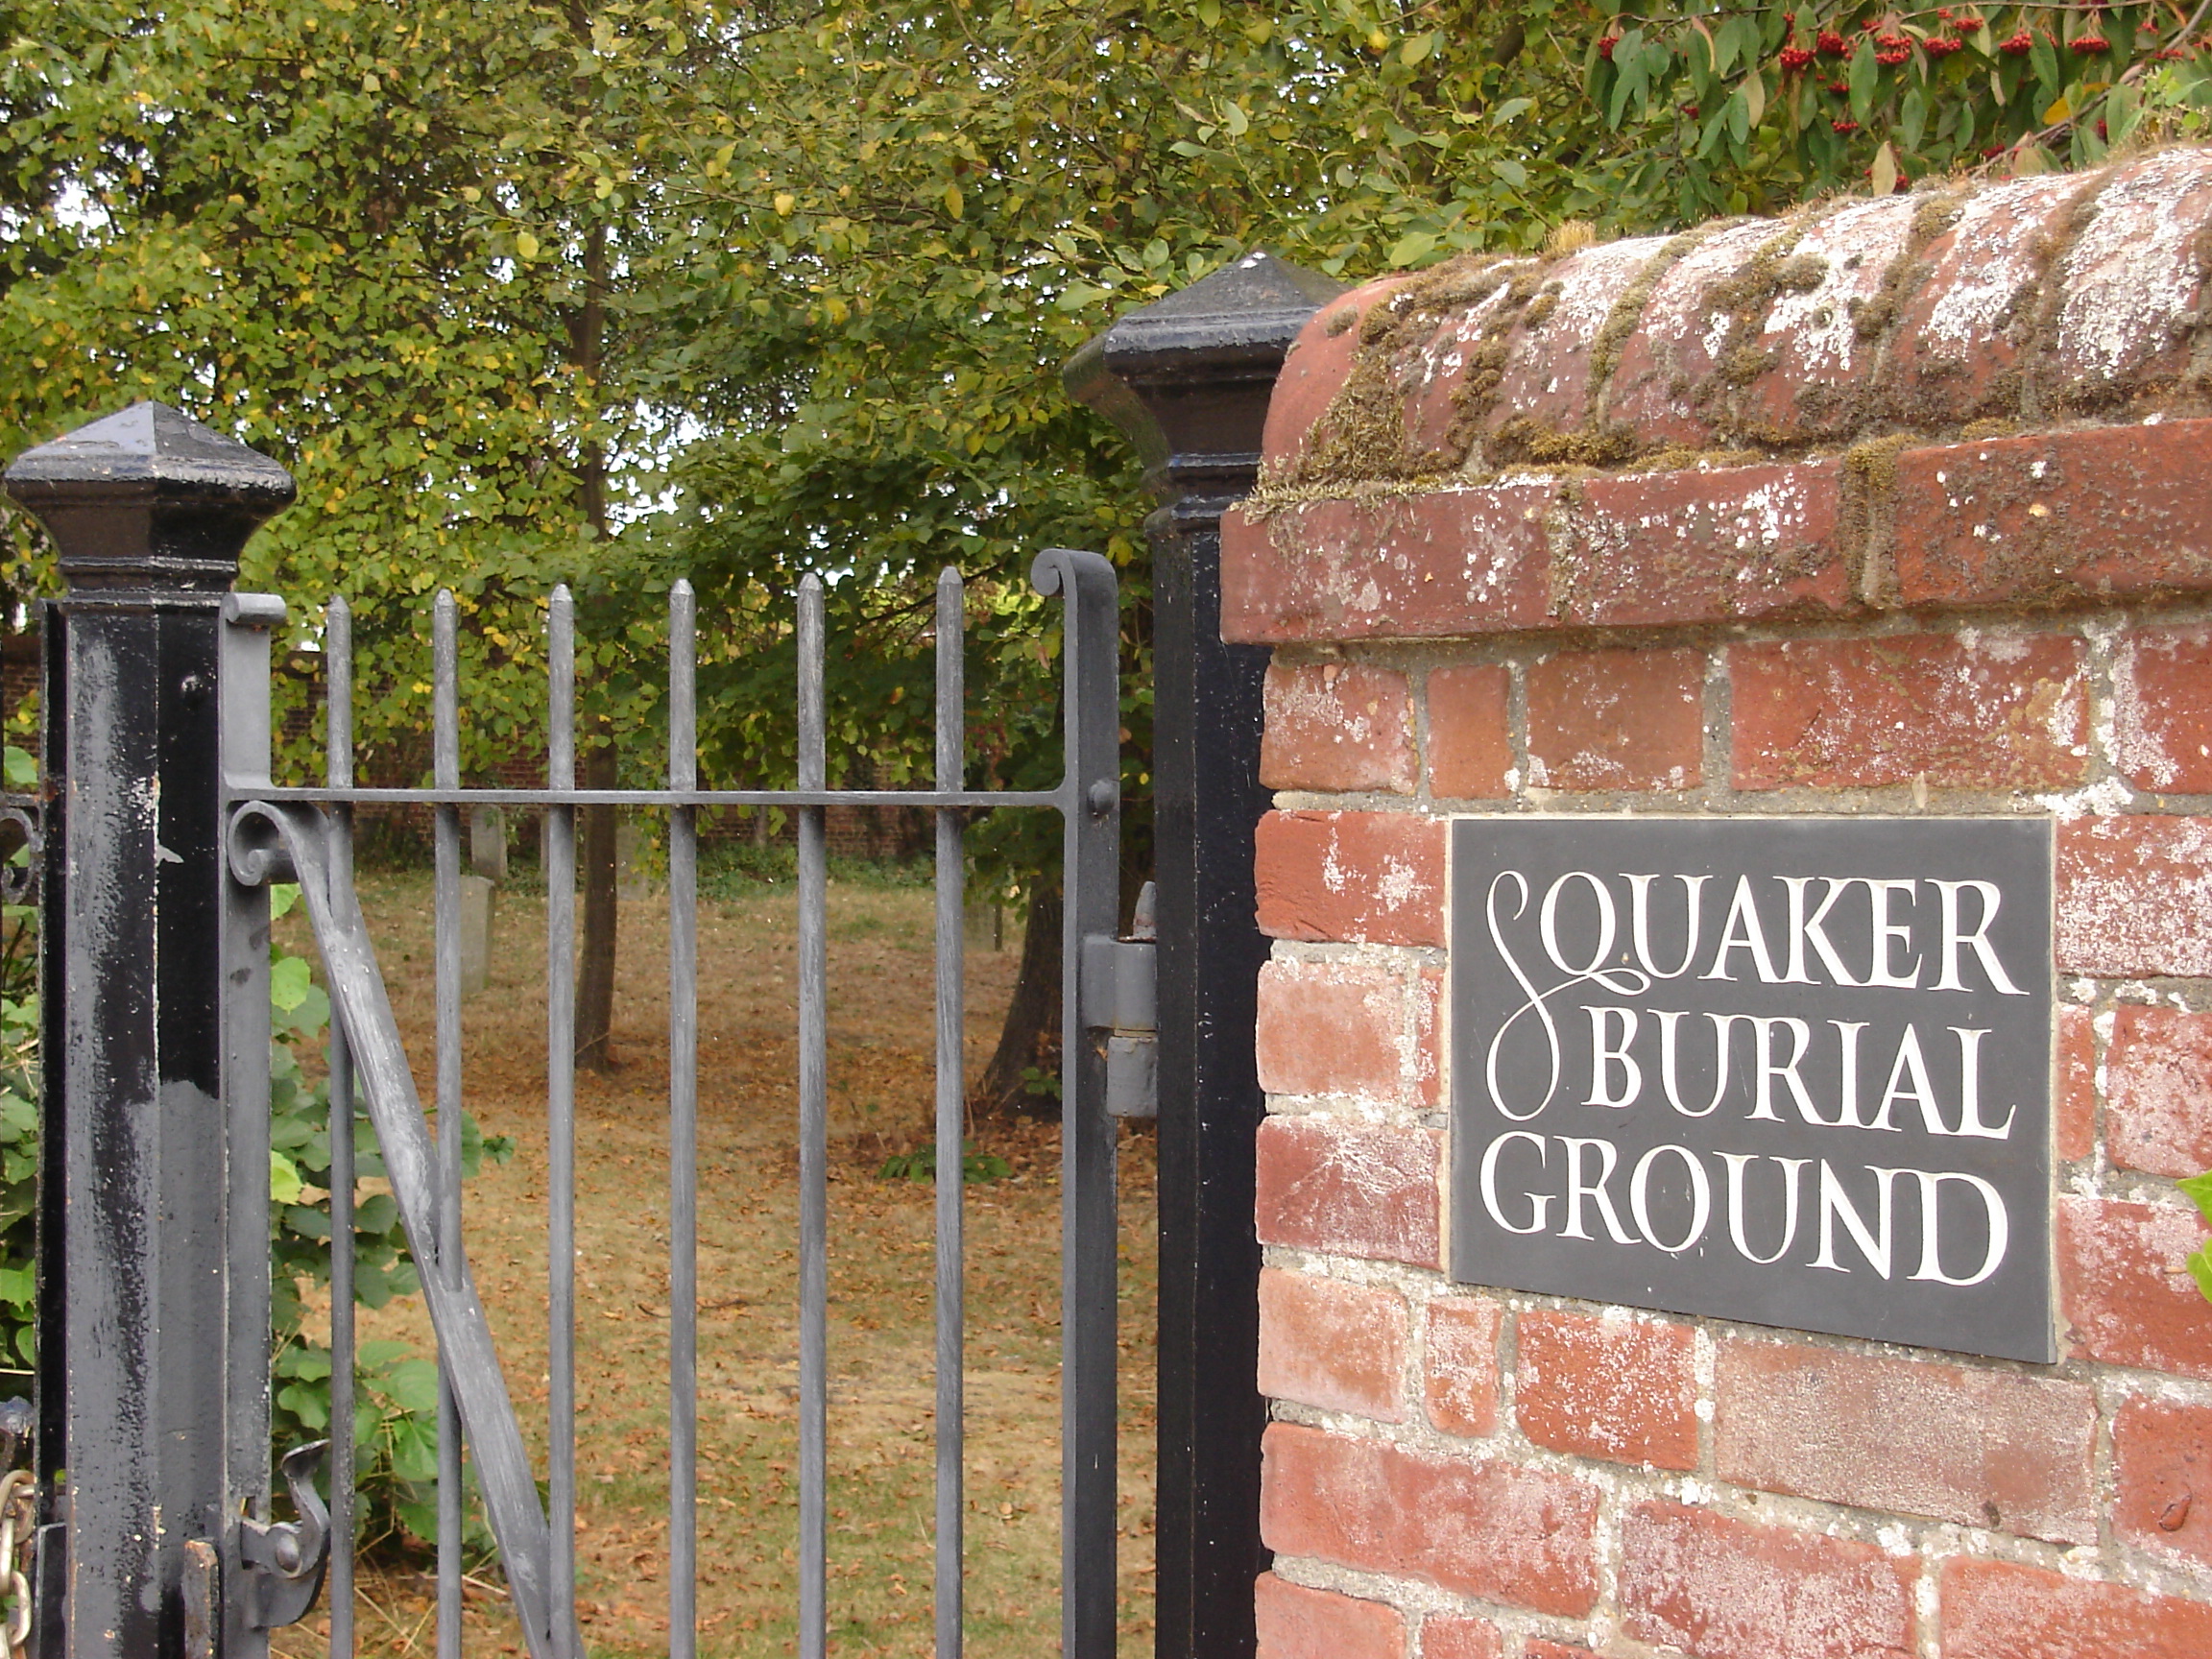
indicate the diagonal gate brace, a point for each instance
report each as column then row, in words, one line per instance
column 503, row 1472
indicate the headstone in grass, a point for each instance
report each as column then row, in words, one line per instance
column 479, row 894
column 487, row 842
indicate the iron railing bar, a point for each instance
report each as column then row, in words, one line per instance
column 559, row 848
column 1089, row 1248
column 927, row 800
column 445, row 907
column 338, row 768
column 813, row 1141
column 682, row 1131
column 952, row 1114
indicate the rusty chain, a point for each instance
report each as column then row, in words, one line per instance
column 18, row 1519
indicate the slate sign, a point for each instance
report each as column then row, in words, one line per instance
column 1789, row 1070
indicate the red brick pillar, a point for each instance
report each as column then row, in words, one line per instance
column 1895, row 507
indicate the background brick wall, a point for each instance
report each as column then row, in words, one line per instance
column 1898, row 609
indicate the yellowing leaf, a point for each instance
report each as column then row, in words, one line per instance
column 953, row 201
column 1417, row 47
column 1885, row 171
column 2059, row 111
column 785, row 202
column 526, row 244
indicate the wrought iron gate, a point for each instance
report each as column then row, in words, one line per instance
column 163, row 831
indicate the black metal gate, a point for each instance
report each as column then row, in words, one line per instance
column 161, row 832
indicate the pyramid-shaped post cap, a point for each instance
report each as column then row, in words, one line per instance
column 149, row 498
column 1187, row 377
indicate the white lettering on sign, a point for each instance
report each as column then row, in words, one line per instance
column 1789, row 1070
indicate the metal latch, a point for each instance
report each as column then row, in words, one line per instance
column 284, row 1561
column 1118, row 999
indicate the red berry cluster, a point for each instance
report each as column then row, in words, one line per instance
column 2089, row 44
column 1892, row 50
column 2017, row 45
column 1941, row 45
column 1605, row 45
column 1833, row 45
column 1796, row 58
column 1844, row 126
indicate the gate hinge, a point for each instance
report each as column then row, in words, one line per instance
column 284, row 1561
column 1118, row 999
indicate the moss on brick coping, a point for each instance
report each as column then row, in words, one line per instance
column 1360, row 447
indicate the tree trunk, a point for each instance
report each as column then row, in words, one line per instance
column 595, row 982
column 1030, row 1038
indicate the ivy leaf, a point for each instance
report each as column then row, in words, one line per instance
column 284, row 1184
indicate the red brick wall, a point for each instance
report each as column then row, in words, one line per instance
column 1922, row 525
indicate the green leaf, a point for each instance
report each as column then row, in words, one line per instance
column 289, row 982
column 1412, row 248
column 2199, row 1264
column 1865, row 77
column 2198, row 1190
column 284, row 1182
column 2043, row 59
column 1912, row 119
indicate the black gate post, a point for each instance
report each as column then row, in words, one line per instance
column 1188, row 378
column 140, row 1176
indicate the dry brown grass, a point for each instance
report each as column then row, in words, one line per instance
column 880, row 1454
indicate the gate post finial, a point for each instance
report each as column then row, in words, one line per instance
column 149, row 498
column 1187, row 379
column 153, row 1180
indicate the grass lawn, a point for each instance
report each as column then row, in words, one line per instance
column 881, row 1390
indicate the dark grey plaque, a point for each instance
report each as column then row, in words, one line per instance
column 1789, row 1070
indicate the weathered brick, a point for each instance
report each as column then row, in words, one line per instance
column 1736, row 544
column 1314, row 369
column 1298, row 1623
column 1616, row 720
column 2002, row 711
column 1460, row 1636
column 1470, row 742
column 1997, row 1610
column 1666, row 362
column 1347, row 1028
column 1376, row 878
column 1622, row 1389
column 1338, row 726
column 1348, row 1189
column 2101, row 511
column 1979, row 1447
column 1728, row 1589
column 2162, row 1478
column 1539, row 1649
column 2159, row 1082
column 2126, row 1295
column 2131, row 279
column 1544, row 387
column 2077, row 1127
column 1459, row 1378
column 1339, row 1346
column 1487, row 1527
column 1391, row 566
column 1817, row 382
column 1953, row 357
column 2163, row 720
column 2135, row 895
